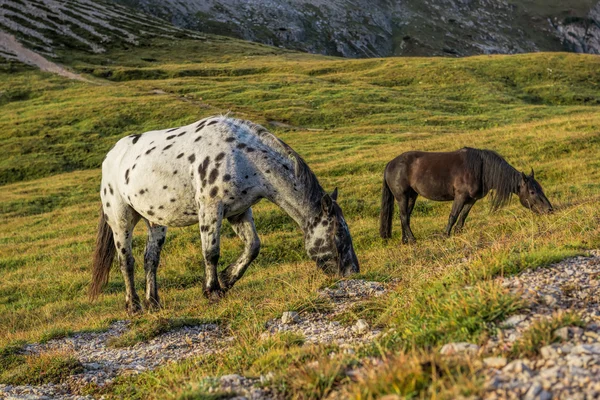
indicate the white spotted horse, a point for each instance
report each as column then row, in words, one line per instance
column 201, row 173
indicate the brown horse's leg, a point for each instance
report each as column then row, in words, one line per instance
column 457, row 206
column 463, row 216
column 405, row 209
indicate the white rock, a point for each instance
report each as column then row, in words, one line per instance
column 516, row 367
column 290, row 317
column 361, row 326
column 562, row 333
column 459, row 348
column 552, row 374
column 593, row 348
column 514, row 320
column 231, row 379
column 550, row 300
column 494, row 362
column 548, row 352
column 533, row 391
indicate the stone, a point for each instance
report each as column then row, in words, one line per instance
column 516, row 367
column 548, row 352
column 544, row 395
column 514, row 320
column 593, row 348
column 231, row 379
column 494, row 362
column 550, row 300
column 361, row 326
column 459, row 348
column 290, row 317
column 562, row 333
column 534, row 390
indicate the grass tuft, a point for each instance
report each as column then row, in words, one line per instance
column 541, row 333
column 40, row 369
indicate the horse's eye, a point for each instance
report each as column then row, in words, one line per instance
column 532, row 192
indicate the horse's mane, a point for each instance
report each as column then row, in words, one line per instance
column 313, row 191
column 494, row 173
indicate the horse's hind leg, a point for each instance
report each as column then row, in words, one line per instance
column 211, row 217
column 154, row 244
column 405, row 206
column 243, row 225
column 125, row 219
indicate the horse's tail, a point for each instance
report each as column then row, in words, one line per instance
column 103, row 256
column 387, row 211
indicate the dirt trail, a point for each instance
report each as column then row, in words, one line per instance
column 10, row 46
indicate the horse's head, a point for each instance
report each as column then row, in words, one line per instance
column 532, row 196
column 328, row 240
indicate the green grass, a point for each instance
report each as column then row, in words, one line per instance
column 538, row 110
column 18, row 369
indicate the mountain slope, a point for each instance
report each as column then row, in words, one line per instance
column 363, row 28
column 53, row 28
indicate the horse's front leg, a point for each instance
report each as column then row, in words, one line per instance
column 463, row 216
column 154, row 244
column 211, row 217
column 243, row 225
column 457, row 206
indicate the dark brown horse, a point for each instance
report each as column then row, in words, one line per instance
column 463, row 176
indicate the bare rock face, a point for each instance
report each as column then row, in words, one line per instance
column 363, row 28
column 581, row 35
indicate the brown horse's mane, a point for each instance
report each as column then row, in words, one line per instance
column 494, row 173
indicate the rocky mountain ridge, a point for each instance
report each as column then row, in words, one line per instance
column 363, row 28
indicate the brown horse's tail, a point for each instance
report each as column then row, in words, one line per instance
column 387, row 211
column 103, row 256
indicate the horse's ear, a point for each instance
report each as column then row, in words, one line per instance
column 525, row 177
column 334, row 194
column 532, row 173
column 327, row 203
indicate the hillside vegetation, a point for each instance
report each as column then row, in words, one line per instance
column 347, row 118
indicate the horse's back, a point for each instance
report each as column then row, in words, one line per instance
column 431, row 174
column 167, row 175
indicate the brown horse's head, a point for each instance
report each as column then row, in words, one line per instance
column 532, row 196
column 329, row 242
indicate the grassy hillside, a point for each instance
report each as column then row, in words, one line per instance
column 347, row 118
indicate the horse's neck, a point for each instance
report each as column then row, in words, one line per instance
column 295, row 203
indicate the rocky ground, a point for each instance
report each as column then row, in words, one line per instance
column 103, row 363
column 569, row 369
column 566, row 369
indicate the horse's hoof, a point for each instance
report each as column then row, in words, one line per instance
column 214, row 294
column 152, row 304
column 224, row 281
column 133, row 308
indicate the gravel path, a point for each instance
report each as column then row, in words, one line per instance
column 102, row 363
column 569, row 369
